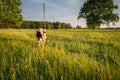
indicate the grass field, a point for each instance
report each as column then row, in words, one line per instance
column 66, row 55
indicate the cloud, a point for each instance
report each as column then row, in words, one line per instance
column 56, row 10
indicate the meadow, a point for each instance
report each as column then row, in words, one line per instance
column 73, row 54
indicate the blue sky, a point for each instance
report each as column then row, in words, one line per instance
column 57, row 10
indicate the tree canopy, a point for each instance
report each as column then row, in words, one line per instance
column 10, row 13
column 49, row 25
column 97, row 12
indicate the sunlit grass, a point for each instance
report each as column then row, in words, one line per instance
column 66, row 55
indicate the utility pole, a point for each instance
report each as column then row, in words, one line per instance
column 44, row 15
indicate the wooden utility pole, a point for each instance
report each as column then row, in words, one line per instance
column 44, row 15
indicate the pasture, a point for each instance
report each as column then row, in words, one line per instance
column 75, row 54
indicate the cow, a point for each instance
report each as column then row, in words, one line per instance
column 41, row 35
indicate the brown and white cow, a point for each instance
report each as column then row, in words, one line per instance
column 41, row 35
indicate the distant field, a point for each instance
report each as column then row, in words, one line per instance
column 67, row 55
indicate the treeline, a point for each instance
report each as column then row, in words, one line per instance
column 49, row 25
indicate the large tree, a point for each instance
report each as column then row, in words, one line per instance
column 10, row 13
column 97, row 12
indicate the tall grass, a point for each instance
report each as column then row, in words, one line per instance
column 66, row 55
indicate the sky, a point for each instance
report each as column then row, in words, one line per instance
column 57, row 10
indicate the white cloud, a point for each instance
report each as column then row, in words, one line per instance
column 56, row 10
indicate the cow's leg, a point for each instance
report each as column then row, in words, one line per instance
column 39, row 41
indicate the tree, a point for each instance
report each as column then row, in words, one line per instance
column 49, row 25
column 97, row 12
column 10, row 13
column 78, row 27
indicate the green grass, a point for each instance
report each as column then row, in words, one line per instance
column 66, row 55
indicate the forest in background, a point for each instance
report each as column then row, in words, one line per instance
column 26, row 24
column 41, row 24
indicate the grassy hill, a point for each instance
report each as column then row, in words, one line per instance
column 66, row 55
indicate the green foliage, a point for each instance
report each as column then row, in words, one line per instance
column 97, row 12
column 10, row 14
column 78, row 27
column 49, row 25
column 66, row 55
